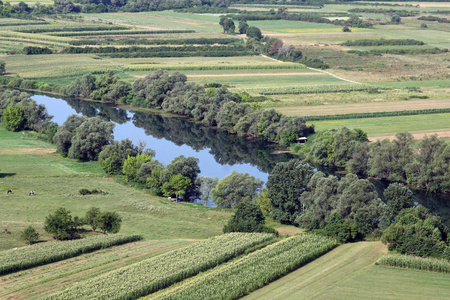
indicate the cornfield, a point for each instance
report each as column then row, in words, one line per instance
column 153, row 274
column 254, row 270
column 414, row 262
column 44, row 253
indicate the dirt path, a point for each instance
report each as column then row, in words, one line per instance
column 417, row 136
column 317, row 70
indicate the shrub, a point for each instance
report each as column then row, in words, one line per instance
column 30, row 235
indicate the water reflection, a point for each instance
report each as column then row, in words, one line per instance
column 219, row 153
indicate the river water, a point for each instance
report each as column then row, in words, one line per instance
column 219, row 153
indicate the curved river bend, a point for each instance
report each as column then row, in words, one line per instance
column 219, row 153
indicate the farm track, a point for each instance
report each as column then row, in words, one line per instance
column 317, row 70
column 44, row 280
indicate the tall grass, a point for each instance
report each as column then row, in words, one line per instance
column 414, row 262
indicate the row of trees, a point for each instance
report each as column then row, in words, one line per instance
column 211, row 106
column 424, row 162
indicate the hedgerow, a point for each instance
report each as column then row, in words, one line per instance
column 414, row 262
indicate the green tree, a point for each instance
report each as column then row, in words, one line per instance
column 109, row 222
column 30, row 235
column 186, row 166
column 254, row 32
column 397, row 197
column 248, row 218
column 60, row 224
column 243, row 27
column 206, row 185
column 235, row 188
column 263, row 201
column 13, row 117
column 63, row 136
column 92, row 217
column 132, row 165
column 2, row 67
column 286, row 183
column 177, row 185
column 89, row 139
column 112, row 156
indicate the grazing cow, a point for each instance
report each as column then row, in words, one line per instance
column 9, row 192
column 31, row 193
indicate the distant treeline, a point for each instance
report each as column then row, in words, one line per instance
column 401, row 13
column 31, row 50
column 424, row 163
column 378, row 114
column 400, row 51
column 432, row 18
column 140, row 41
column 353, row 21
column 383, row 42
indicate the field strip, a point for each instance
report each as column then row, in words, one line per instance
column 324, row 273
column 254, row 75
column 44, row 280
column 417, row 136
column 321, row 110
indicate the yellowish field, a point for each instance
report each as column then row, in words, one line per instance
column 364, row 107
column 348, row 272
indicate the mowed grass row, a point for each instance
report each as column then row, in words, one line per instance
column 414, row 262
column 268, row 66
column 348, row 272
column 47, row 279
column 254, row 270
column 157, row 273
column 44, row 253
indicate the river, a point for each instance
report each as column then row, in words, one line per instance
column 219, row 153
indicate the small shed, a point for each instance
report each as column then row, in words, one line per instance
column 301, row 140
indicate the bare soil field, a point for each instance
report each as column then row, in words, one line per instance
column 417, row 136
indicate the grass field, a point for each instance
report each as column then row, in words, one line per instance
column 389, row 126
column 348, row 272
column 57, row 181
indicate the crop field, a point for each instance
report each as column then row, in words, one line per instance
column 45, row 280
column 151, row 275
column 349, row 270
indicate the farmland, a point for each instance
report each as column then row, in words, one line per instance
column 183, row 252
column 280, row 81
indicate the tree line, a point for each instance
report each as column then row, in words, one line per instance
column 424, row 163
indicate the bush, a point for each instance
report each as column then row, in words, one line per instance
column 14, row 118
column 248, row 218
column 30, row 235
